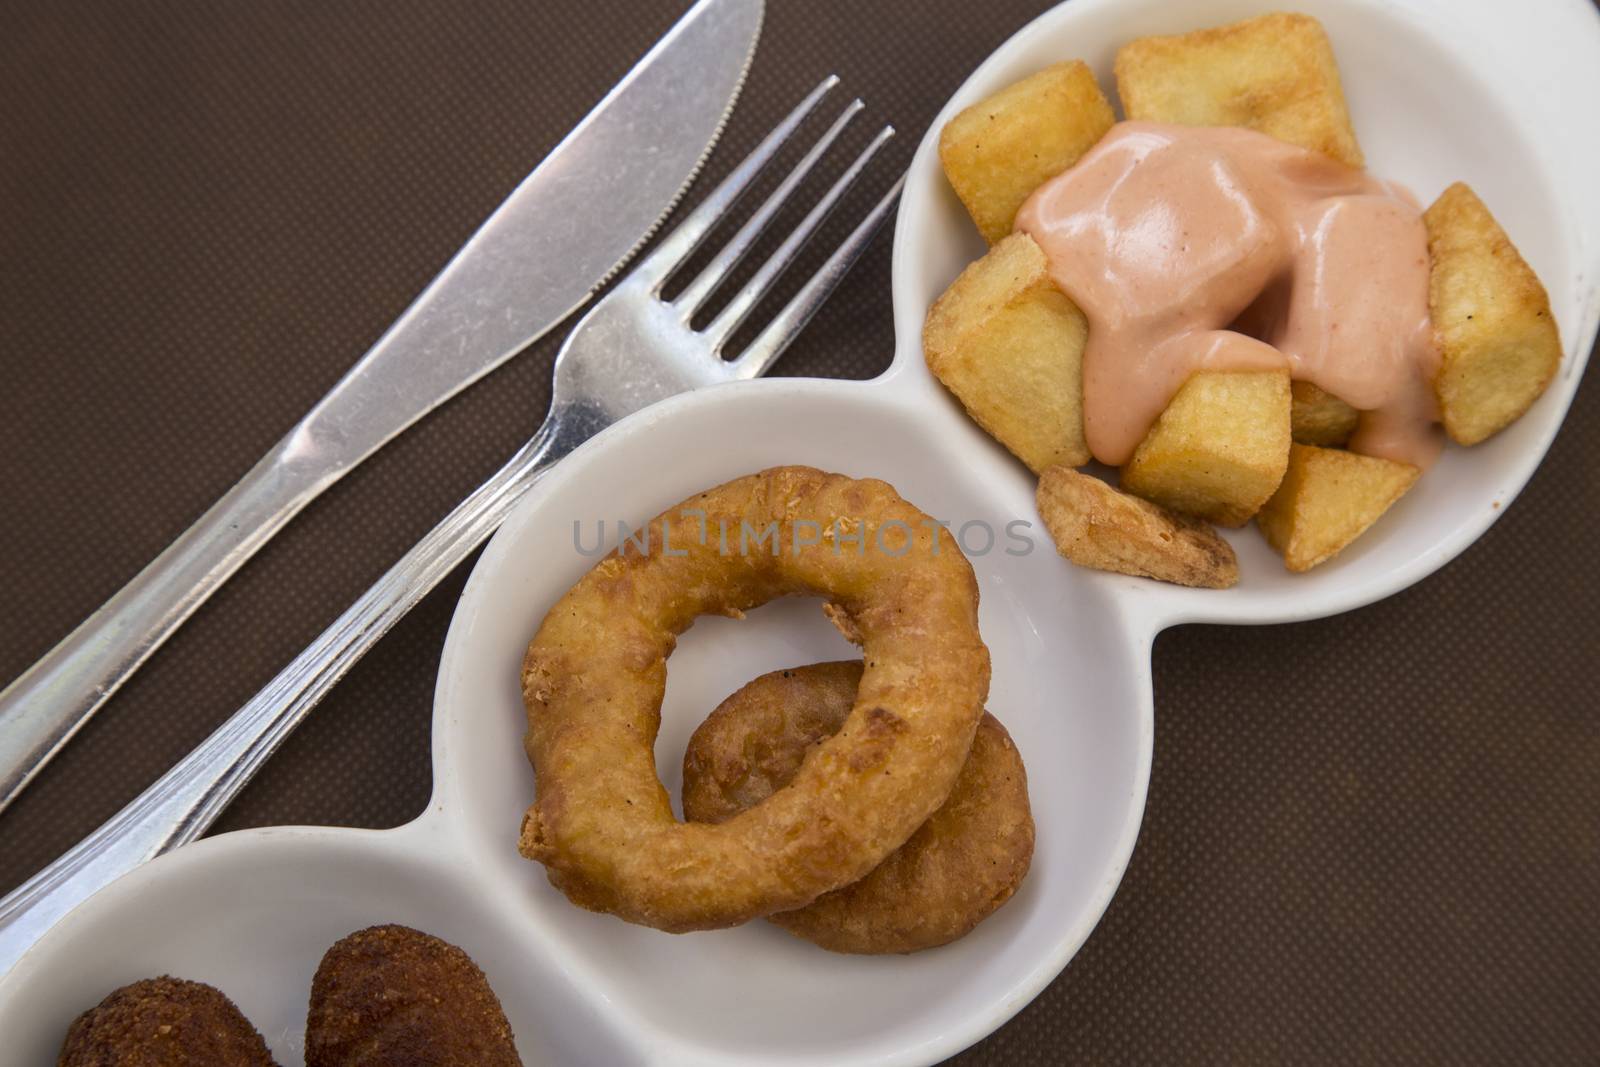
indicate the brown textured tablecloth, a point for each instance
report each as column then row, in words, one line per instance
column 1373, row 838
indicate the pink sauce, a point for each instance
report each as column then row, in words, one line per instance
column 1222, row 249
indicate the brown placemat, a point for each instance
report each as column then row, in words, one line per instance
column 1372, row 838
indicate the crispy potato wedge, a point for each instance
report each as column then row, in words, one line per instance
column 1009, row 345
column 1329, row 498
column 1275, row 74
column 998, row 151
column 1498, row 343
column 1317, row 417
column 1096, row 526
column 1219, row 450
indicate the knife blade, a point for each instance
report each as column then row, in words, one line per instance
column 561, row 234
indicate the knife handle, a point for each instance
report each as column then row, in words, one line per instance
column 50, row 701
column 185, row 801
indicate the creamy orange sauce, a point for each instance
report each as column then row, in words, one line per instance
column 1196, row 248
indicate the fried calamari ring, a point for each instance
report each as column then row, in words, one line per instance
column 596, row 671
column 963, row 863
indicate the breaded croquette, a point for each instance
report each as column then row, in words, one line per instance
column 164, row 1022
column 391, row 995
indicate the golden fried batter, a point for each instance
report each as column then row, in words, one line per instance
column 964, row 862
column 396, row 996
column 595, row 673
column 164, row 1022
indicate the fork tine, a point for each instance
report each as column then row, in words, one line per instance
column 776, row 336
column 739, row 245
column 678, row 245
column 728, row 320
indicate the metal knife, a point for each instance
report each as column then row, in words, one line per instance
column 556, row 239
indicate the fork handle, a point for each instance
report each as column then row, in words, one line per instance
column 185, row 801
column 49, row 702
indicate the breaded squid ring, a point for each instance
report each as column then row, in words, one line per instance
column 594, row 677
column 954, row 872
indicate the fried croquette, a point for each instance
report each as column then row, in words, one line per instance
column 961, row 865
column 596, row 671
column 164, row 1022
column 397, row 997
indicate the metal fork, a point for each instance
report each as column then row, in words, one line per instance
column 632, row 349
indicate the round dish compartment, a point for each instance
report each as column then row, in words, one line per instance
column 1439, row 91
column 252, row 913
column 1070, row 683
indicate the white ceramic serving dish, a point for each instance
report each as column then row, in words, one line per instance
column 1498, row 94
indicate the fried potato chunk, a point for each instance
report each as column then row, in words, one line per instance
column 1317, row 417
column 1329, row 498
column 1498, row 343
column 1009, row 345
column 1096, row 526
column 1275, row 73
column 1219, row 449
column 999, row 150
column 950, row 875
